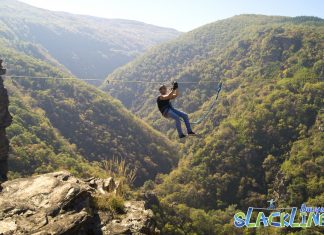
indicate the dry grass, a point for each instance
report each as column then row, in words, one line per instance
column 112, row 203
column 120, row 171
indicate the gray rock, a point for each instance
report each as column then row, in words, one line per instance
column 58, row 203
column 53, row 203
column 5, row 121
column 137, row 220
column 104, row 186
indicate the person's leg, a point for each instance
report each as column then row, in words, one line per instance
column 173, row 115
column 185, row 118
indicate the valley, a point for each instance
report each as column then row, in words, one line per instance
column 263, row 140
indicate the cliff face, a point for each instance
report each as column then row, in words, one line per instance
column 58, row 203
column 5, row 121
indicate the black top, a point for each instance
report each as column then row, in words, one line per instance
column 163, row 104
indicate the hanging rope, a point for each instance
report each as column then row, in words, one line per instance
column 206, row 114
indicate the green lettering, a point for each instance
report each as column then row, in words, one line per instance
column 310, row 220
column 261, row 219
column 283, row 219
column 251, row 225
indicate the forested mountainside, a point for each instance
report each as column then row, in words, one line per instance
column 265, row 138
column 239, row 49
column 71, row 125
column 88, row 47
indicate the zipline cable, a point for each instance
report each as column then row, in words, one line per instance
column 53, row 78
column 102, row 80
column 202, row 118
column 115, row 81
column 198, row 121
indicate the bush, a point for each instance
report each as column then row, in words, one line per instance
column 112, row 203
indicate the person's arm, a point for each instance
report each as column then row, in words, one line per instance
column 176, row 93
column 172, row 95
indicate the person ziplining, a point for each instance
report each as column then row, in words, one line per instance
column 168, row 111
column 163, row 101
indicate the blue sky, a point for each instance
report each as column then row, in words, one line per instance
column 183, row 15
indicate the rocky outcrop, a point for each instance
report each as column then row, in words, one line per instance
column 5, row 121
column 58, row 203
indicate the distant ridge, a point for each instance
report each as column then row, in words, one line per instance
column 87, row 46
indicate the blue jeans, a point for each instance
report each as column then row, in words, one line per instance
column 176, row 115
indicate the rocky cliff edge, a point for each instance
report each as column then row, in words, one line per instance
column 59, row 203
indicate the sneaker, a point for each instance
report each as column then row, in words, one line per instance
column 191, row 133
column 182, row 136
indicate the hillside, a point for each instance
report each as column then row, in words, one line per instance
column 71, row 125
column 265, row 138
column 88, row 47
column 243, row 47
column 263, row 141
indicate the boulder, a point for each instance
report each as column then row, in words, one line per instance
column 103, row 186
column 136, row 220
column 59, row 203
